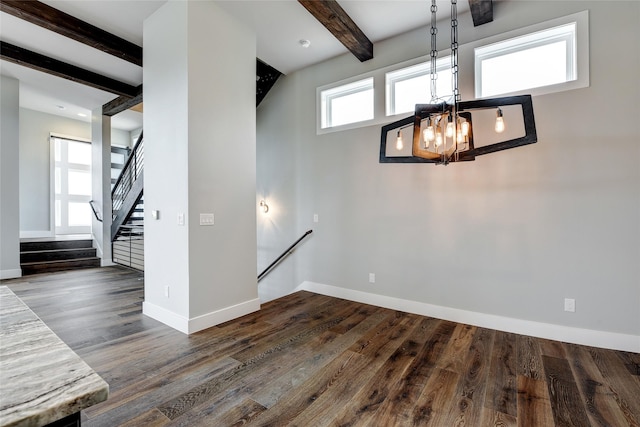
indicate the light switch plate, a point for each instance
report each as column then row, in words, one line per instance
column 206, row 219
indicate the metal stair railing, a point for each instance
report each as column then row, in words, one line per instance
column 131, row 171
column 284, row 254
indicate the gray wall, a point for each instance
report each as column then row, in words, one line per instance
column 9, row 179
column 511, row 234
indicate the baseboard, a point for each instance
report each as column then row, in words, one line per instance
column 165, row 316
column 10, row 274
column 609, row 340
column 198, row 323
column 32, row 234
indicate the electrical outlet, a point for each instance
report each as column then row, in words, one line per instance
column 180, row 219
column 372, row 278
column 166, row 291
column 315, row 217
column 570, row 305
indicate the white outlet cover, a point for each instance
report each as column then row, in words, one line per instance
column 570, row 305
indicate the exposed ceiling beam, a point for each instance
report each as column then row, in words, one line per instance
column 55, row 20
column 481, row 11
column 335, row 19
column 122, row 103
column 39, row 62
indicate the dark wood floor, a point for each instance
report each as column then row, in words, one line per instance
column 312, row 360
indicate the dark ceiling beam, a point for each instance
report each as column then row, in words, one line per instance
column 481, row 11
column 335, row 19
column 36, row 61
column 122, row 103
column 55, row 20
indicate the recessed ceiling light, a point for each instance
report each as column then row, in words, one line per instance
column 305, row 43
column 82, row 114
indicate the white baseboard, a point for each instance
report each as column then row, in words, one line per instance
column 32, row 234
column 198, row 323
column 10, row 274
column 165, row 316
column 609, row 340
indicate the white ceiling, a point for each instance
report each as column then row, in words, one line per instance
column 279, row 26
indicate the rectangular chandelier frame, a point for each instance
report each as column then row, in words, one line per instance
column 465, row 108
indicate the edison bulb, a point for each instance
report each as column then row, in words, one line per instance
column 465, row 128
column 450, row 127
column 438, row 139
column 399, row 142
column 499, row 121
column 428, row 134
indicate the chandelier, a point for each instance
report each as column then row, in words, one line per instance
column 443, row 130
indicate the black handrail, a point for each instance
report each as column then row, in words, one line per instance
column 126, row 164
column 282, row 255
column 94, row 211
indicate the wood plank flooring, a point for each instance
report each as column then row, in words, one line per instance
column 312, row 360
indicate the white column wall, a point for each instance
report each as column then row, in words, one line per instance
column 199, row 80
column 101, row 183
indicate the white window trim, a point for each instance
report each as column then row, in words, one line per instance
column 379, row 113
column 581, row 53
column 339, row 91
column 442, row 63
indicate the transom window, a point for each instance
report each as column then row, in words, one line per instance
column 539, row 59
column 345, row 104
column 409, row 86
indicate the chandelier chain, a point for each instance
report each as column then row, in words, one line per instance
column 434, row 52
column 454, row 52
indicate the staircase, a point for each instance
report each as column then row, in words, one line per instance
column 127, row 226
column 128, row 245
column 50, row 255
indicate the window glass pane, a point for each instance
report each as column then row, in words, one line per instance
column 117, row 158
column 79, row 214
column 522, row 70
column 356, row 107
column 79, row 183
column 58, row 213
column 79, row 152
column 534, row 60
column 115, row 173
column 58, row 181
column 349, row 103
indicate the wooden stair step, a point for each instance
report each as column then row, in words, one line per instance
column 60, row 265
column 55, row 244
column 56, row 254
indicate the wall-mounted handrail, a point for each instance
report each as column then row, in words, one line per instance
column 95, row 213
column 288, row 251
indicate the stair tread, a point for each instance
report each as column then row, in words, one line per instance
column 60, row 261
column 43, row 251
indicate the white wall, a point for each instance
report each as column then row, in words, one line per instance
column 101, row 140
column 9, row 179
column 511, row 234
column 199, row 79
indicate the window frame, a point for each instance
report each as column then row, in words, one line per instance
column 338, row 90
column 410, row 72
column 527, row 38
